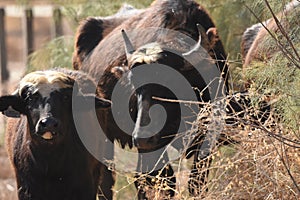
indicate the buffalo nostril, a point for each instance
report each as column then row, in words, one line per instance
column 49, row 122
column 141, row 142
column 43, row 122
column 135, row 142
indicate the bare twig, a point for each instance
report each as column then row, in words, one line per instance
column 287, row 169
column 179, row 101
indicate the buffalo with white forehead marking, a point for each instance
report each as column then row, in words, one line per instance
column 44, row 146
column 46, row 82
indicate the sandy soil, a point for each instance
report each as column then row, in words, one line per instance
column 8, row 189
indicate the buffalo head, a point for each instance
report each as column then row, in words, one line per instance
column 155, row 128
column 45, row 98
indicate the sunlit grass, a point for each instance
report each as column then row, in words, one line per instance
column 56, row 53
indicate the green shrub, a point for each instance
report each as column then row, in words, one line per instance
column 278, row 73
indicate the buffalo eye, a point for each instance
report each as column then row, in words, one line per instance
column 66, row 98
column 32, row 97
column 29, row 94
column 65, row 95
column 25, row 92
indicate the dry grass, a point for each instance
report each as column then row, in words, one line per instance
column 261, row 161
column 260, row 166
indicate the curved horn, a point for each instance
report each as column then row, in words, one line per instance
column 129, row 49
column 201, row 32
column 192, row 54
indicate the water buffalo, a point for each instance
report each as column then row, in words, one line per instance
column 49, row 159
column 169, row 33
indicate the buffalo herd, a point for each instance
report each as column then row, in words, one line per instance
column 141, row 52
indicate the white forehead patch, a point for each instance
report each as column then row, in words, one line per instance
column 46, row 82
column 147, row 54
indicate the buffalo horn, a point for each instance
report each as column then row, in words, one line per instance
column 197, row 46
column 128, row 45
column 190, row 55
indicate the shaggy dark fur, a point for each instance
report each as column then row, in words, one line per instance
column 106, row 51
column 48, row 157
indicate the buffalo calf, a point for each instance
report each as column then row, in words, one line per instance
column 48, row 157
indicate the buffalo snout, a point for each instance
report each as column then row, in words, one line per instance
column 146, row 143
column 49, row 125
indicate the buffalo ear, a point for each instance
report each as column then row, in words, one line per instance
column 213, row 37
column 12, row 105
column 119, row 71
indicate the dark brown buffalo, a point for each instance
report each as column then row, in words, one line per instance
column 101, row 53
column 48, row 157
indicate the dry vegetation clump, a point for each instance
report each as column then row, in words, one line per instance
column 254, row 158
column 259, row 161
column 264, row 164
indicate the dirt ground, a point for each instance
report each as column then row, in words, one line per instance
column 8, row 189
